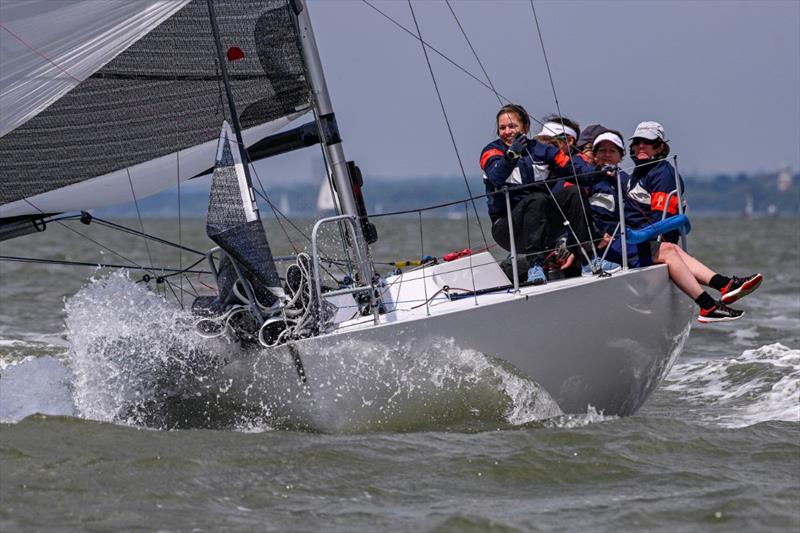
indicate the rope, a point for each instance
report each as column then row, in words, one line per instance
column 139, row 216
column 446, row 120
column 38, row 52
column 478, row 59
column 64, row 262
column 131, row 261
column 561, row 119
column 446, row 58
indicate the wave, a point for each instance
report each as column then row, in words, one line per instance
column 760, row 385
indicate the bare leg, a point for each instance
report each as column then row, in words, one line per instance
column 679, row 271
column 701, row 272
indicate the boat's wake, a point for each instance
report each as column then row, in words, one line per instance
column 135, row 359
column 760, row 385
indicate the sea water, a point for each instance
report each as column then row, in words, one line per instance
column 438, row 440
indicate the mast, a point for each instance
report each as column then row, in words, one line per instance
column 330, row 139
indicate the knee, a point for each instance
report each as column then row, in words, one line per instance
column 667, row 252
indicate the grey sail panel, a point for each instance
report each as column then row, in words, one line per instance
column 234, row 224
column 161, row 95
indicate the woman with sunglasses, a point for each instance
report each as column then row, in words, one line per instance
column 648, row 196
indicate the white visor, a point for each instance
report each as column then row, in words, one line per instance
column 609, row 136
column 551, row 129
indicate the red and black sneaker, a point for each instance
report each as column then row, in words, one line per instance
column 719, row 313
column 738, row 288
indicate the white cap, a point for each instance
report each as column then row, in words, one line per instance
column 649, row 130
column 551, row 129
column 609, row 136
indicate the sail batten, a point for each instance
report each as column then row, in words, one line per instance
column 160, row 96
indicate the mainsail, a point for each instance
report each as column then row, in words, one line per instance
column 136, row 101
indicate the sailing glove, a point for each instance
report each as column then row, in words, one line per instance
column 519, row 145
column 610, row 170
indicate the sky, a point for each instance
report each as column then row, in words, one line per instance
column 723, row 77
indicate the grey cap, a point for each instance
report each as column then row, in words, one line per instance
column 590, row 132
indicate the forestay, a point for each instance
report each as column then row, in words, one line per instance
column 100, row 98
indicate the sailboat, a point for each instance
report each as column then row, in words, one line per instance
column 139, row 97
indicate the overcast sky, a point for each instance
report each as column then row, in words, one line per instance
column 723, row 77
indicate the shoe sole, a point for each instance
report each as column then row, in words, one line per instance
column 706, row 320
column 743, row 291
column 538, row 282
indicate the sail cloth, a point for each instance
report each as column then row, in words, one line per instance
column 234, row 224
column 134, row 88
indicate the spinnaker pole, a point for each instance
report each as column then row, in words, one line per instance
column 329, row 132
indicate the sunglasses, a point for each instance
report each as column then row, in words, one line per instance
column 648, row 142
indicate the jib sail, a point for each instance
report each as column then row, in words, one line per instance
column 234, row 223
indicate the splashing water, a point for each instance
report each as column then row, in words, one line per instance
column 136, row 359
column 131, row 353
column 758, row 386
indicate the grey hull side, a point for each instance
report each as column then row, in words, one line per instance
column 606, row 344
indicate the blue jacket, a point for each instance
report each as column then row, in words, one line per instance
column 648, row 191
column 603, row 202
column 540, row 162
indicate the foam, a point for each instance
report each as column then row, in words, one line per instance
column 137, row 360
column 760, row 385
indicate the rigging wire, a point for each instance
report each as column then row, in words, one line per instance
column 131, row 231
column 139, row 216
column 101, row 245
column 447, row 120
column 561, row 119
column 64, row 262
column 478, row 59
column 437, row 52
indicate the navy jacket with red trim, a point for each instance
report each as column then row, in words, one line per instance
column 648, row 191
column 603, row 202
column 540, row 162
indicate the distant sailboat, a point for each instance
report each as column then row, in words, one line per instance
column 325, row 201
column 284, row 205
column 747, row 212
column 784, row 178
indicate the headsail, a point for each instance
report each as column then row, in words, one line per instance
column 160, row 95
column 234, row 223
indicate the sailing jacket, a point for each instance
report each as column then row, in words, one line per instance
column 603, row 202
column 539, row 162
column 648, row 190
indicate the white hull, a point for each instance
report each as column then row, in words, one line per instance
column 601, row 342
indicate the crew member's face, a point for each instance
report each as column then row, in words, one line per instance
column 564, row 142
column 644, row 149
column 508, row 126
column 607, row 153
column 588, row 155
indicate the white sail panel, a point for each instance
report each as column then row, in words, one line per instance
column 47, row 47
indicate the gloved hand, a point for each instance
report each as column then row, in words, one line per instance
column 610, row 170
column 561, row 250
column 517, row 147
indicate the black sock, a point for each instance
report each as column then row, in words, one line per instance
column 718, row 282
column 705, row 301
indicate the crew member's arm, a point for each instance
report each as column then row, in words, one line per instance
column 661, row 182
column 563, row 166
column 496, row 165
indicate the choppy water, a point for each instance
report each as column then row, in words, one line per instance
column 441, row 441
